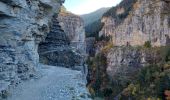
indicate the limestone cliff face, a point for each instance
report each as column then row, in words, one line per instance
column 109, row 26
column 23, row 25
column 56, row 50
column 126, row 61
column 90, row 46
column 73, row 26
column 65, row 44
column 148, row 21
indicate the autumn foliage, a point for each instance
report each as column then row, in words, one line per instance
column 167, row 94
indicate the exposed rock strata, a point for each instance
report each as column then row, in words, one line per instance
column 23, row 25
column 149, row 21
column 90, row 46
column 108, row 28
column 126, row 61
column 73, row 26
column 56, row 49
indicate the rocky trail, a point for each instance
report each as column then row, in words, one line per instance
column 55, row 83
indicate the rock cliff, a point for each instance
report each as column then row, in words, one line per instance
column 65, row 44
column 127, row 61
column 23, row 25
column 30, row 31
column 135, row 26
column 56, row 47
column 147, row 21
column 108, row 28
column 73, row 26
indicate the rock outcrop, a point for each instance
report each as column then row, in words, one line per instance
column 135, row 26
column 126, row 61
column 90, row 46
column 148, row 21
column 65, row 45
column 23, row 25
column 73, row 26
column 56, row 50
column 108, row 28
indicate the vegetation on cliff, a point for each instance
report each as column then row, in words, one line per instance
column 99, row 84
column 93, row 29
column 125, row 5
column 152, row 82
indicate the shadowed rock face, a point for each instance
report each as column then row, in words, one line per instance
column 23, row 25
column 126, row 61
column 56, row 49
column 65, row 44
column 148, row 21
column 73, row 26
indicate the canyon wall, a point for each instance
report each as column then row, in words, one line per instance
column 73, row 26
column 148, row 21
column 139, row 31
column 65, row 44
column 23, row 25
column 56, row 50
column 127, row 61
column 109, row 26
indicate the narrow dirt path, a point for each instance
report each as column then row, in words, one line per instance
column 55, row 84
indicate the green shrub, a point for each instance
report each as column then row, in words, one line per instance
column 147, row 44
column 166, row 53
column 4, row 94
column 162, row 85
column 107, row 92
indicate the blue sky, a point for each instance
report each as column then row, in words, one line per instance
column 86, row 6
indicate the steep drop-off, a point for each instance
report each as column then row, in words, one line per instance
column 26, row 27
column 147, row 21
column 134, row 64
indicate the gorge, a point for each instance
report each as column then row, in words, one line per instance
column 49, row 53
column 131, row 60
column 30, row 31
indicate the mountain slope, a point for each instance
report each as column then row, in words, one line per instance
column 138, row 22
column 139, row 29
column 94, row 16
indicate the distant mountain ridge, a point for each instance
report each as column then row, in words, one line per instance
column 94, row 16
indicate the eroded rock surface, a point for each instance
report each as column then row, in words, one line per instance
column 73, row 26
column 57, row 50
column 123, row 63
column 148, row 21
column 23, row 24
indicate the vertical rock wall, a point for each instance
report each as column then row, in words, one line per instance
column 23, row 25
column 109, row 26
column 148, row 21
column 73, row 26
column 65, row 44
column 55, row 49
